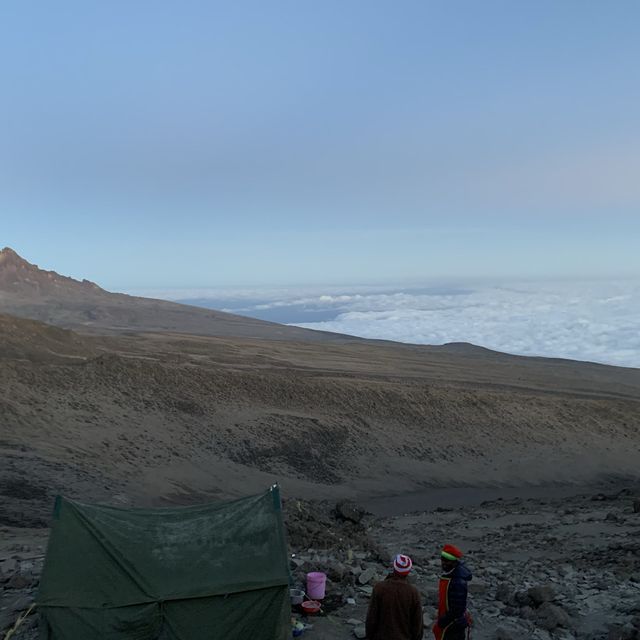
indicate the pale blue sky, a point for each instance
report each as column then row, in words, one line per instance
column 193, row 144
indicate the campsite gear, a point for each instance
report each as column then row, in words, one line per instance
column 451, row 552
column 395, row 610
column 402, row 564
column 316, row 581
column 189, row 573
column 296, row 595
column 298, row 629
column 454, row 621
column 311, row 607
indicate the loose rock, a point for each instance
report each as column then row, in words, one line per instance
column 347, row 510
column 367, row 575
column 18, row 581
column 549, row 616
column 540, row 595
column 504, row 592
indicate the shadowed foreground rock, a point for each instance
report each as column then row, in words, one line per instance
column 547, row 569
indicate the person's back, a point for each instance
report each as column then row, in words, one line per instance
column 395, row 608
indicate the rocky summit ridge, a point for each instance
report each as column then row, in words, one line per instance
column 29, row 292
column 19, row 276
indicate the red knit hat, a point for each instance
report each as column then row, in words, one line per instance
column 451, row 552
column 402, row 564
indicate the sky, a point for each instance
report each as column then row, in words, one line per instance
column 211, row 144
column 418, row 171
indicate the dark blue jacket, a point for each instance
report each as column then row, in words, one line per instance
column 456, row 597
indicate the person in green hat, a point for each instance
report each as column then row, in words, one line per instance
column 453, row 621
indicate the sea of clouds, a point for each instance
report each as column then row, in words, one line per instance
column 597, row 321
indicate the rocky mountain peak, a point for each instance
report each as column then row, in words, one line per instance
column 18, row 276
column 8, row 255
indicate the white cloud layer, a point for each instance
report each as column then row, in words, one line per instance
column 596, row 321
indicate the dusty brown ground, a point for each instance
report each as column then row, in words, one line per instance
column 149, row 418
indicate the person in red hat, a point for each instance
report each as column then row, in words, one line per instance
column 395, row 608
column 454, row 621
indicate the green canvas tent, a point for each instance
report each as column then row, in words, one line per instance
column 216, row 572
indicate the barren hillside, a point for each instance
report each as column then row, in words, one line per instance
column 164, row 417
column 30, row 292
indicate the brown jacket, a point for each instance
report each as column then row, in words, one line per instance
column 395, row 611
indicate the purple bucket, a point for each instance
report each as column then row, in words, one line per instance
column 316, row 582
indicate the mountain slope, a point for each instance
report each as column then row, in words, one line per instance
column 32, row 341
column 30, row 292
column 165, row 418
column 143, row 401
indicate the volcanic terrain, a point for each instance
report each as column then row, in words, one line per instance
column 167, row 416
column 107, row 397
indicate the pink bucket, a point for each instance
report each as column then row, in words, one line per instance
column 316, row 582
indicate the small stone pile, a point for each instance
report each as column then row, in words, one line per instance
column 537, row 604
column 324, row 526
column 334, row 539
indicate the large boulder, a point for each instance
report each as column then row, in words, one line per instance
column 541, row 594
column 549, row 616
column 347, row 510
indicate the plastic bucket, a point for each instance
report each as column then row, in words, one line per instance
column 316, row 582
column 297, row 596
